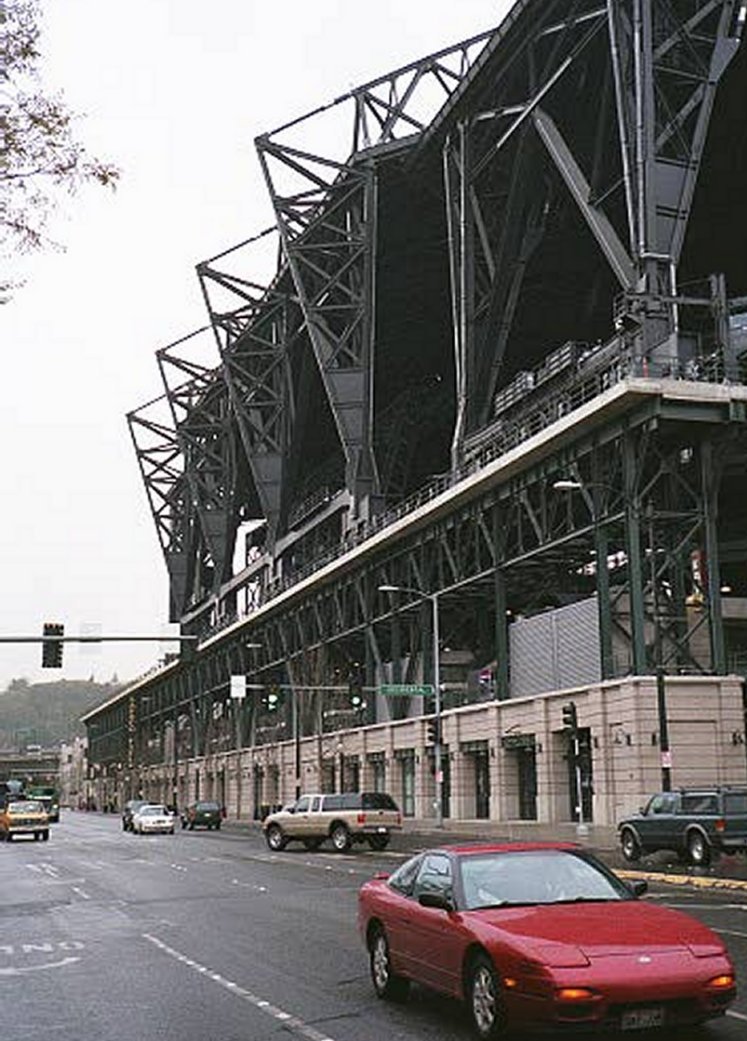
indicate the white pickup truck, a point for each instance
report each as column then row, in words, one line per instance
column 344, row 818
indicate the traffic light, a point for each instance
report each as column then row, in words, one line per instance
column 52, row 648
column 570, row 718
column 272, row 697
column 434, row 731
column 355, row 693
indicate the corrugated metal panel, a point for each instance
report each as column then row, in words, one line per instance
column 577, row 643
column 555, row 650
column 532, row 650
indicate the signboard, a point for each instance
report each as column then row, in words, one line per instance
column 514, row 741
column 391, row 690
column 238, row 687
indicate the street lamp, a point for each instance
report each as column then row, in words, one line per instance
column 433, row 597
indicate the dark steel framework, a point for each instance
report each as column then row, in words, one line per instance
column 547, row 196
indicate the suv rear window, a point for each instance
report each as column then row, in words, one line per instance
column 735, row 802
column 378, row 801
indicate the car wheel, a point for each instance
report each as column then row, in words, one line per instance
column 171, row 831
column 191, row 825
column 275, row 838
column 9, row 837
column 378, row 842
column 631, row 847
column 217, row 827
column 386, row 984
column 45, row 836
column 483, row 994
column 36, row 836
column 340, row 838
column 698, row 849
column 312, row 845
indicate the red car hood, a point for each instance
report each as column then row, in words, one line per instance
column 602, row 930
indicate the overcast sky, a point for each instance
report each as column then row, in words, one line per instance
column 173, row 92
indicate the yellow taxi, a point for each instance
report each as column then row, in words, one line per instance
column 24, row 817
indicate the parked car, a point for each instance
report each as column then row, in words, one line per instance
column 24, row 817
column 695, row 823
column 152, row 818
column 344, row 818
column 501, row 927
column 203, row 814
column 130, row 809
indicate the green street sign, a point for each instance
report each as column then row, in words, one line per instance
column 393, row 690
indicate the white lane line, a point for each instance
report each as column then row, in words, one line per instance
column 289, row 1022
column 731, row 932
column 736, row 1015
column 81, row 894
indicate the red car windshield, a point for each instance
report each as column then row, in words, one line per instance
column 535, row 877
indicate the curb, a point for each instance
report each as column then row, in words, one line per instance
column 697, row 881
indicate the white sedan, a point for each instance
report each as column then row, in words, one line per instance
column 153, row 818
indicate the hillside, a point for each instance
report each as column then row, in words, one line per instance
column 47, row 713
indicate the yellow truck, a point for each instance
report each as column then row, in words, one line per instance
column 23, row 817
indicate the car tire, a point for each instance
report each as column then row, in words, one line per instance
column 191, row 825
column 45, row 836
column 217, row 826
column 698, row 849
column 386, row 984
column 484, row 999
column 275, row 838
column 312, row 845
column 171, row 831
column 9, row 837
column 36, row 836
column 378, row 842
column 630, row 846
column 340, row 837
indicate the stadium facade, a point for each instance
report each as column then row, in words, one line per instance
column 450, row 489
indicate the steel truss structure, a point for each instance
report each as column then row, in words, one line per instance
column 522, row 240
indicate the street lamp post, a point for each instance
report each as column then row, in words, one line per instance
column 438, row 762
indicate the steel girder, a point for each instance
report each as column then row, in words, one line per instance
column 602, row 108
column 255, row 327
column 646, row 504
column 161, row 463
column 207, row 437
column 327, row 212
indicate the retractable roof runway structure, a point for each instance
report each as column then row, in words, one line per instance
column 493, row 348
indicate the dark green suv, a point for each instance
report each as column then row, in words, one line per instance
column 696, row 823
column 202, row 815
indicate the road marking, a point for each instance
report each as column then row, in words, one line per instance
column 736, row 1015
column 13, row 970
column 81, row 894
column 289, row 1021
column 731, row 932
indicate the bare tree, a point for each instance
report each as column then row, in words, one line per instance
column 40, row 154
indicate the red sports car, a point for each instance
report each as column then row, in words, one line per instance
column 538, row 935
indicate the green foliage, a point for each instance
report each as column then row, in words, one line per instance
column 40, row 155
column 47, row 713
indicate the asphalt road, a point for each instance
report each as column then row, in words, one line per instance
column 207, row 936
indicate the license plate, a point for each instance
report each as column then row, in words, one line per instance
column 642, row 1018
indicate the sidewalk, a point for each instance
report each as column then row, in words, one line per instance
column 417, row 834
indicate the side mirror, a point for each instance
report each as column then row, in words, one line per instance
column 642, row 810
column 437, row 900
column 638, row 887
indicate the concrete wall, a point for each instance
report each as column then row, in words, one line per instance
column 706, row 729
